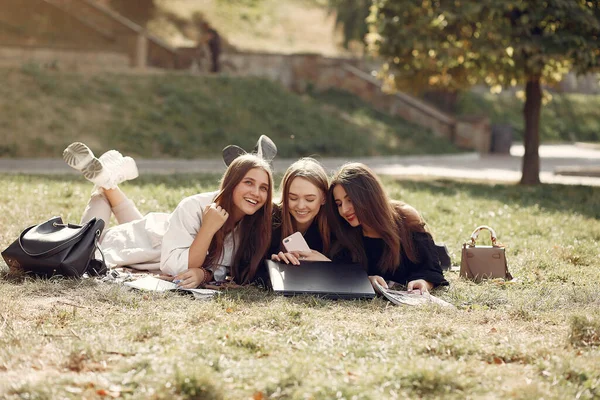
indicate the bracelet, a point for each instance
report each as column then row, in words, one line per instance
column 206, row 276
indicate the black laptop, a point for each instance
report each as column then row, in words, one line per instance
column 320, row 278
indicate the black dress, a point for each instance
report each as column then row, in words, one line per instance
column 427, row 268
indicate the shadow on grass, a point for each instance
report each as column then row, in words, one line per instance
column 258, row 295
column 584, row 200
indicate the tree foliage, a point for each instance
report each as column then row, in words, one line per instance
column 464, row 42
column 459, row 43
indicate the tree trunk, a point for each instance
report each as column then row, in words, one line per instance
column 532, row 110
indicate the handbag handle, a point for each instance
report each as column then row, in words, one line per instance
column 60, row 246
column 475, row 234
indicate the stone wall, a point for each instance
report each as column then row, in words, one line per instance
column 473, row 133
column 587, row 84
column 70, row 27
column 39, row 24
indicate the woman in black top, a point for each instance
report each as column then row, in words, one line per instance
column 388, row 237
column 303, row 190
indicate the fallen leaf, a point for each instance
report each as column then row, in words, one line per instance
column 498, row 360
column 258, row 396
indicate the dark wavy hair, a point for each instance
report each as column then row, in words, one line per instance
column 255, row 229
column 311, row 170
column 393, row 220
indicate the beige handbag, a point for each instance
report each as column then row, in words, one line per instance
column 483, row 262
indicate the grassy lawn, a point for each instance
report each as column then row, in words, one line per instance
column 188, row 116
column 537, row 337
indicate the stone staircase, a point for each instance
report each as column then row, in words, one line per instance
column 142, row 47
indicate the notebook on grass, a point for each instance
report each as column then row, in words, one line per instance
column 323, row 279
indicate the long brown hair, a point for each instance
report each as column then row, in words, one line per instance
column 311, row 170
column 255, row 229
column 392, row 220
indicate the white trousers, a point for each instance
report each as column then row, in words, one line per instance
column 98, row 206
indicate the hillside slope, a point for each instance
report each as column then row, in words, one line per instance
column 281, row 26
column 189, row 116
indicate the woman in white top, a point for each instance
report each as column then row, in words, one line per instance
column 209, row 235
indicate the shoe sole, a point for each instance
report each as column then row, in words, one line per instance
column 77, row 155
column 92, row 169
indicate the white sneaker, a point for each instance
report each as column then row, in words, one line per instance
column 106, row 172
column 77, row 155
column 119, row 169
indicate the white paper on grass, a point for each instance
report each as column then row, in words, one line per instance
column 150, row 283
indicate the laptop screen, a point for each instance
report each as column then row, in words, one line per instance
column 324, row 279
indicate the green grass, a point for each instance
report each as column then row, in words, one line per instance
column 187, row 116
column 567, row 117
column 536, row 337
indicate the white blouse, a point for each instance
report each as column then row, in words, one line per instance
column 162, row 241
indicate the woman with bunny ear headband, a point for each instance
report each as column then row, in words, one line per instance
column 206, row 238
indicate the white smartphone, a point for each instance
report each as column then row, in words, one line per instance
column 295, row 242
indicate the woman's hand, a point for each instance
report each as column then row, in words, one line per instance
column 288, row 258
column 214, row 217
column 190, row 279
column 421, row 285
column 295, row 257
column 312, row 255
column 376, row 279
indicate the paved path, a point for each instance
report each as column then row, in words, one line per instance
column 581, row 161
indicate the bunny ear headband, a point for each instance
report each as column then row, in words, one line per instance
column 265, row 149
